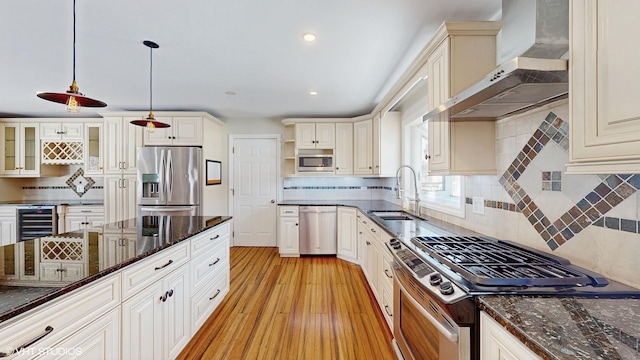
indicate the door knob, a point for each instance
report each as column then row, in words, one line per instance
column 273, row 201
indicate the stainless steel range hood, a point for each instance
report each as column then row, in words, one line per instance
column 538, row 32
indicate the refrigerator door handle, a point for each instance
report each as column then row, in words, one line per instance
column 163, row 185
column 169, row 176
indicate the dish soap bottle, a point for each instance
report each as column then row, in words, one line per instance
column 405, row 203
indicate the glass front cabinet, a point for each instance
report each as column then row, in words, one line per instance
column 21, row 145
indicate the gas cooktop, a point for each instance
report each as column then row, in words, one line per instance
column 453, row 267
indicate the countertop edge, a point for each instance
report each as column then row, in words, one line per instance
column 78, row 284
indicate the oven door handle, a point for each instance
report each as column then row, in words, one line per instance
column 451, row 336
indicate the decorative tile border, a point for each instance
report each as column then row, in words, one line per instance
column 56, row 187
column 609, row 193
column 338, row 188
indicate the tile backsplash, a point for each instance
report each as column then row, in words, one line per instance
column 593, row 220
column 65, row 187
column 339, row 188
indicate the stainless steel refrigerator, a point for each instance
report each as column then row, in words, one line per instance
column 169, row 180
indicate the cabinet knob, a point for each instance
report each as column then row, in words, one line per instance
column 369, row 167
column 296, row 224
column 427, row 157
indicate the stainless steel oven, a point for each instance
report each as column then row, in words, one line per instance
column 423, row 329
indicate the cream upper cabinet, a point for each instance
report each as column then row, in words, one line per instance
column 604, row 115
column 315, row 135
column 363, row 147
column 122, row 140
column 343, row 154
column 184, row 131
column 462, row 54
column 21, row 144
column 387, row 143
column 61, row 131
column 93, row 150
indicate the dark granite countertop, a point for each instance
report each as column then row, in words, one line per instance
column 554, row 327
column 21, row 288
column 51, row 202
column 570, row 327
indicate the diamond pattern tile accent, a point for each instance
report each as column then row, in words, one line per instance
column 589, row 210
column 78, row 178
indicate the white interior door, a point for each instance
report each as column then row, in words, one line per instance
column 255, row 180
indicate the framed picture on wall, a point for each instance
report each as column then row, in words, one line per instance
column 214, row 172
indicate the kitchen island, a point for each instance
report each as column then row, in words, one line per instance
column 133, row 289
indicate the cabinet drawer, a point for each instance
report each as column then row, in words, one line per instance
column 140, row 275
column 85, row 210
column 202, row 242
column 61, row 318
column 208, row 265
column 205, row 301
column 288, row 210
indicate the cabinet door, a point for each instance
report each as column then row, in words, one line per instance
column 438, row 74
column 605, row 119
column 375, row 145
column 50, row 131
column 347, row 234
column 131, row 140
column 363, row 147
column 29, row 149
column 177, row 312
column 93, row 142
column 497, row 343
column 187, row 131
column 306, row 136
column 113, row 145
column 72, row 131
column 99, row 340
column 128, row 207
column 142, row 324
column 112, row 196
column 163, row 136
column 10, row 136
column 439, row 143
column 73, row 223
column 289, row 236
column 7, row 230
column 325, row 136
column 50, row 271
column 344, row 149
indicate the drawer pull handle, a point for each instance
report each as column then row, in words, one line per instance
column 165, row 265
column 386, row 309
column 214, row 296
column 215, row 262
column 170, row 292
column 215, row 237
column 46, row 332
column 386, row 272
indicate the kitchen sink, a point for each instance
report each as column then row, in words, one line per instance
column 394, row 215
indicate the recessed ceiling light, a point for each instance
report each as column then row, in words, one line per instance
column 230, row 92
column 313, row 93
column 309, row 37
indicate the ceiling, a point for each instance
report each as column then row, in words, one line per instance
column 208, row 48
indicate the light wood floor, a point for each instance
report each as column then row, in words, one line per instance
column 293, row 308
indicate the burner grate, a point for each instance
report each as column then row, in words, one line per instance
column 491, row 262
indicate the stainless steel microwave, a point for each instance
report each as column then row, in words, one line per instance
column 315, row 163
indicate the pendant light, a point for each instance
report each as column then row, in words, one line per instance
column 150, row 122
column 73, row 98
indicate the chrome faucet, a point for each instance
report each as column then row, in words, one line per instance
column 415, row 186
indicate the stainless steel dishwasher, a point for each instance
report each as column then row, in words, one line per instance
column 318, row 230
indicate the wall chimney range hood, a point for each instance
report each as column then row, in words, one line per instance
column 538, row 32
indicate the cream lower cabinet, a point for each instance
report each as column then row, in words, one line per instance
column 8, row 221
column 156, row 320
column 85, row 320
column 82, row 217
column 604, row 116
column 496, row 343
column 288, row 231
column 347, row 234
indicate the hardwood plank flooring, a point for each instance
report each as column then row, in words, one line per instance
column 293, row 308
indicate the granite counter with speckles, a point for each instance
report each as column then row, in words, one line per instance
column 570, row 327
